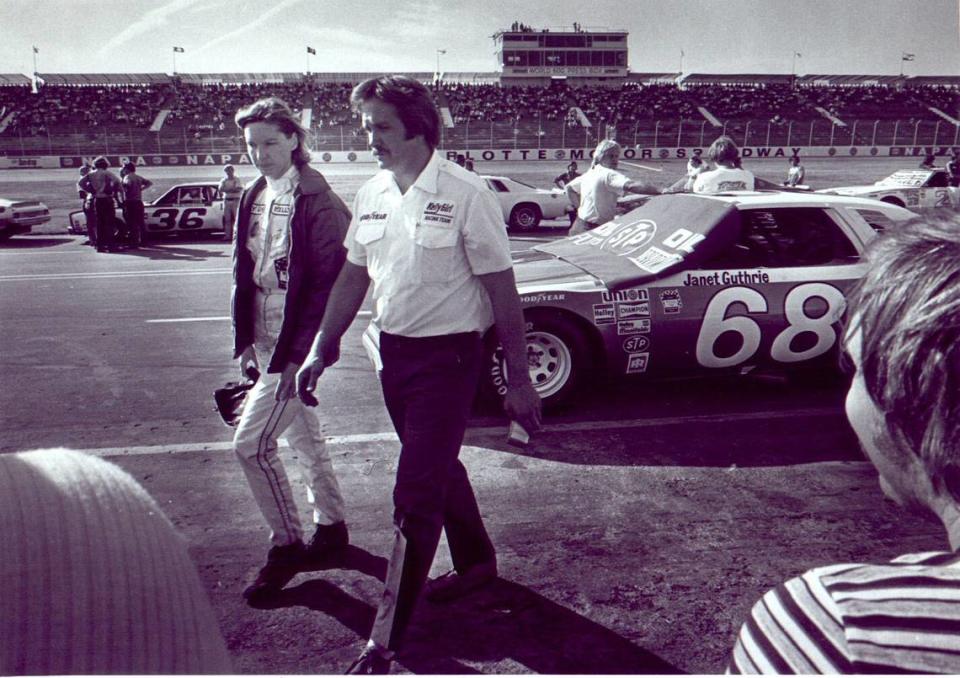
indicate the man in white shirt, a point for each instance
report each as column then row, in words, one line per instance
column 595, row 192
column 430, row 236
column 728, row 174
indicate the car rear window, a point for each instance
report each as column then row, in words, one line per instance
column 784, row 237
column 878, row 220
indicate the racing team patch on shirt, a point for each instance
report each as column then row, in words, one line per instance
column 281, row 266
column 439, row 212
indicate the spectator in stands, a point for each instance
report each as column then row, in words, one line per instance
column 133, row 186
column 728, row 175
column 953, row 168
column 795, row 173
column 595, row 193
column 230, row 188
column 929, row 161
column 903, row 403
column 468, row 165
column 86, row 204
column 104, row 185
column 561, row 180
column 461, row 159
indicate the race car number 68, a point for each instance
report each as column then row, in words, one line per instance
column 716, row 323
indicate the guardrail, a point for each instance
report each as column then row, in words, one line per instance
column 525, row 134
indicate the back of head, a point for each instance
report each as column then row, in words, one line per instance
column 723, row 151
column 603, row 148
column 410, row 99
column 101, row 163
column 129, row 167
column 907, row 309
column 276, row 112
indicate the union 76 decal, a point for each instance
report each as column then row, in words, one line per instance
column 716, row 322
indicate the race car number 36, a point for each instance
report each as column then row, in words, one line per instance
column 716, row 323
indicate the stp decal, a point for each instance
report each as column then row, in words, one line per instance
column 636, row 343
column 629, row 238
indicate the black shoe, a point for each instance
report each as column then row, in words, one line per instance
column 371, row 662
column 328, row 540
column 283, row 564
column 453, row 584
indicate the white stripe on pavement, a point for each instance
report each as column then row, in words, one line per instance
column 361, row 314
column 581, row 427
column 112, row 274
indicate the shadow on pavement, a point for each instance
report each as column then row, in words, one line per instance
column 502, row 624
column 164, row 252
column 25, row 243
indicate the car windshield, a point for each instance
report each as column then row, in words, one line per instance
column 906, row 178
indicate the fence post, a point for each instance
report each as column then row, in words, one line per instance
column 703, row 126
column 873, row 137
column 896, row 131
column 789, row 131
column 956, row 134
column 746, row 133
column 106, row 143
column 812, row 124
column 656, row 134
column 768, row 135
column 936, row 134
column 679, row 132
column 916, row 130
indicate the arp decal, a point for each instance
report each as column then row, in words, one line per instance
column 604, row 314
column 636, row 343
column 638, row 326
column 633, row 294
column 637, row 362
column 671, row 301
column 641, row 309
column 655, row 260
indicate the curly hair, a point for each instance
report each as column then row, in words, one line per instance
column 907, row 310
column 276, row 112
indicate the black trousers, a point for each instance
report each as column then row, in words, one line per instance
column 428, row 386
column 133, row 217
column 106, row 222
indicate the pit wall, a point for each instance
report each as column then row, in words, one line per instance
column 479, row 155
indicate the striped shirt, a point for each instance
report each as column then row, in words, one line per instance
column 900, row 617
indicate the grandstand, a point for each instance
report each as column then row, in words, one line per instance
column 561, row 106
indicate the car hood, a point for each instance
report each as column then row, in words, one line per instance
column 858, row 190
column 657, row 239
column 535, row 270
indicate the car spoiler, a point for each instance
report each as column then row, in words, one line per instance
column 665, row 234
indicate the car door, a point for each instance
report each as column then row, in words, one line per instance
column 772, row 298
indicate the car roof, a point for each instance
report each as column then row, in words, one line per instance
column 794, row 199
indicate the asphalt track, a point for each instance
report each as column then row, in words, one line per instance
column 633, row 533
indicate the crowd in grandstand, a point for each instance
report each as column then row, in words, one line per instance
column 204, row 110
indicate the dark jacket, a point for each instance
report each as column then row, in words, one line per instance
column 318, row 226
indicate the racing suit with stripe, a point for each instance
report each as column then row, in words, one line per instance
column 289, row 250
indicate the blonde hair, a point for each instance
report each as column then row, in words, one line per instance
column 602, row 149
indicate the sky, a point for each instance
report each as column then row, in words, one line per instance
column 867, row 37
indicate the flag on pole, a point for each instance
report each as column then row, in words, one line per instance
column 311, row 50
column 797, row 54
column 35, row 50
column 908, row 57
column 179, row 49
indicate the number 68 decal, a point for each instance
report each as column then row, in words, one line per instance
column 716, row 322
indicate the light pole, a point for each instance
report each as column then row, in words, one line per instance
column 439, row 52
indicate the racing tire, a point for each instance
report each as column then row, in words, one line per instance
column 893, row 201
column 558, row 355
column 6, row 235
column 525, row 216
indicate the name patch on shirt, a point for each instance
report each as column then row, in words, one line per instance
column 439, row 212
column 280, row 210
column 373, row 216
column 257, row 209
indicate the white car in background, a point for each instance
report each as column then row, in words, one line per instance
column 525, row 206
column 19, row 216
column 917, row 189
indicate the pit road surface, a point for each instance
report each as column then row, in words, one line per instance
column 633, row 534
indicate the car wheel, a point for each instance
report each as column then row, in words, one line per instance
column 558, row 358
column 5, row 235
column 893, row 201
column 525, row 217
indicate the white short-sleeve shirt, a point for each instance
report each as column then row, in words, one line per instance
column 599, row 189
column 723, row 179
column 425, row 248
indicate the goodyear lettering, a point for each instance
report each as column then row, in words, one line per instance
column 541, row 297
column 726, row 278
column 372, row 216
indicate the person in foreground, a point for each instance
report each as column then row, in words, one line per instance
column 903, row 338
column 95, row 578
column 728, row 173
column 287, row 254
column 430, row 236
